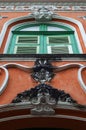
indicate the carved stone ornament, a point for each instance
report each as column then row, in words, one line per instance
column 43, row 99
column 42, row 71
column 43, row 15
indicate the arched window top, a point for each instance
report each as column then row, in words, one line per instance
column 43, row 27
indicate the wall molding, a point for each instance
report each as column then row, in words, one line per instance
column 30, row 70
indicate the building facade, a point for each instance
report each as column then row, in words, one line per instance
column 42, row 64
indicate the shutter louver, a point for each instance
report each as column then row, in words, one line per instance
column 24, row 39
column 26, row 50
column 58, row 39
column 59, row 50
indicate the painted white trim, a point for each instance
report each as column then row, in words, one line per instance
column 10, row 22
column 4, row 84
column 80, row 79
column 7, row 42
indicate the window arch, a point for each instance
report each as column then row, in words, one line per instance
column 43, row 38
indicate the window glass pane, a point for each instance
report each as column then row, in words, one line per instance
column 36, row 28
column 50, row 28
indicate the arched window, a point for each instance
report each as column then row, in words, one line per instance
column 43, row 39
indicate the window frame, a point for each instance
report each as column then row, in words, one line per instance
column 43, row 31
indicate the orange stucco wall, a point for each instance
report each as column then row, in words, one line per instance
column 20, row 81
column 10, row 15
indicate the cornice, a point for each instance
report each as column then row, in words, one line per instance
column 42, row 1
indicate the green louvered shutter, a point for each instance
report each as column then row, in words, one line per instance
column 25, row 50
column 27, row 39
column 59, row 45
column 58, row 39
column 26, row 45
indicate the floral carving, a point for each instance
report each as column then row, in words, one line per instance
column 43, row 15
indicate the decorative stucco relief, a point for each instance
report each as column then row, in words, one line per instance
column 20, row 8
column 42, row 15
column 43, row 71
column 43, row 98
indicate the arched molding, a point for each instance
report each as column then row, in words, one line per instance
column 32, row 23
column 76, row 22
column 21, row 113
column 57, row 116
column 8, row 23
